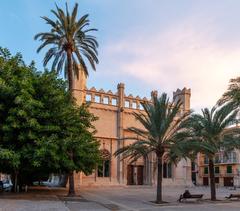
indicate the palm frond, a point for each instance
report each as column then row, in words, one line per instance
column 69, row 33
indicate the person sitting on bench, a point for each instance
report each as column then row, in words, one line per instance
column 188, row 195
column 234, row 195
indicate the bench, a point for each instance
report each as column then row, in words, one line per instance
column 233, row 196
column 188, row 195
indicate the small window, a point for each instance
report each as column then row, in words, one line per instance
column 229, row 169
column 205, row 170
column 217, row 170
column 104, row 168
column 127, row 104
column 88, row 98
column 141, row 107
column 234, row 156
column 134, row 105
column 97, row 99
column 167, row 170
column 193, row 166
column 217, row 159
column 205, row 159
column 106, row 100
column 114, row 101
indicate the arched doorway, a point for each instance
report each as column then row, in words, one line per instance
column 135, row 174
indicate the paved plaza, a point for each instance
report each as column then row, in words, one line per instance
column 115, row 198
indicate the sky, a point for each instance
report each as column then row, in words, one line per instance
column 146, row 44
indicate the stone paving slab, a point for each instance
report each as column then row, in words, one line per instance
column 88, row 206
column 29, row 205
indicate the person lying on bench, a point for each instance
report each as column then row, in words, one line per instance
column 188, row 195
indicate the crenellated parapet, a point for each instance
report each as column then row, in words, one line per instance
column 184, row 96
column 122, row 101
column 100, row 96
column 118, row 99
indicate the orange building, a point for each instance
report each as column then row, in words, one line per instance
column 226, row 168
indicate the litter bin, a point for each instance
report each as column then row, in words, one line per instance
column 1, row 186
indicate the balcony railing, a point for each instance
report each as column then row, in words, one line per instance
column 232, row 158
column 221, row 174
column 227, row 160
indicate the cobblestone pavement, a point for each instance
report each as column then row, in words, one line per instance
column 115, row 198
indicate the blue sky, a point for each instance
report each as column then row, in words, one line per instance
column 147, row 44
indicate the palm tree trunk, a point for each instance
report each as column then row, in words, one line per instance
column 71, row 191
column 70, row 70
column 159, row 180
column 212, row 179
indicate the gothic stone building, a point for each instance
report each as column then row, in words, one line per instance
column 115, row 112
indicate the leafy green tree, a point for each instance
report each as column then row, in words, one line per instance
column 38, row 118
column 212, row 133
column 70, row 43
column 163, row 134
column 82, row 149
column 18, row 124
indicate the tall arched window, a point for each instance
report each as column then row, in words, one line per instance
column 103, row 169
column 167, row 170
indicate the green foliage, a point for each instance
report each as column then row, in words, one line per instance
column 40, row 125
column 210, row 130
column 163, row 131
column 232, row 95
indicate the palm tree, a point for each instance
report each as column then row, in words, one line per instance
column 163, row 134
column 69, row 41
column 232, row 95
column 210, row 130
column 69, row 44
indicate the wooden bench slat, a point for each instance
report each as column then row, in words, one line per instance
column 233, row 196
column 191, row 196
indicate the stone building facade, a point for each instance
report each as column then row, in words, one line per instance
column 115, row 112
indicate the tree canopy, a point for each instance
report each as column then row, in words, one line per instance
column 71, row 43
column 40, row 124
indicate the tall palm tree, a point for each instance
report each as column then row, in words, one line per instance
column 163, row 134
column 211, row 130
column 69, row 45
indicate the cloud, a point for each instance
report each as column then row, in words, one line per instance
column 184, row 54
